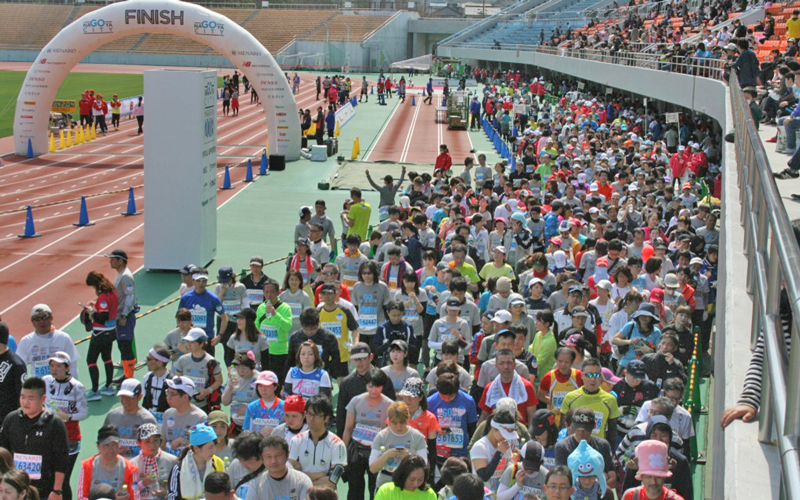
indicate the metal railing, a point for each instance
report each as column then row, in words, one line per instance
column 773, row 257
column 689, row 65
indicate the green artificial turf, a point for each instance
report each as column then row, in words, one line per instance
column 107, row 84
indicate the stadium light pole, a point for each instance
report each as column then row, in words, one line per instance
column 346, row 60
column 327, row 44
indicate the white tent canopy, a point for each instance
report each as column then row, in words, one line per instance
column 421, row 63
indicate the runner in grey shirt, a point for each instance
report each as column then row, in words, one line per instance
column 195, row 366
column 370, row 299
column 181, row 416
column 445, row 327
column 411, row 440
column 279, row 482
column 129, row 417
column 369, row 419
column 319, row 217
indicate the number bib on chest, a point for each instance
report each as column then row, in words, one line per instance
column 296, row 309
column 270, row 332
column 558, row 399
column 334, row 327
column 232, row 306
column 255, row 296
column 32, row 464
column 365, row 434
column 453, row 439
column 368, row 318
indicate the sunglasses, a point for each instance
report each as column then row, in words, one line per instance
column 592, row 375
column 41, row 318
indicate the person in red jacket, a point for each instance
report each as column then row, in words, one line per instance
column 333, row 95
column 85, row 109
column 443, row 161
column 678, row 165
column 699, row 161
column 99, row 110
column 108, row 467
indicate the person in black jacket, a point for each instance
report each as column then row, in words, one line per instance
column 154, row 382
column 12, row 374
column 38, row 441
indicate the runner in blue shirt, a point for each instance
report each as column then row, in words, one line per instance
column 204, row 305
column 457, row 416
column 266, row 412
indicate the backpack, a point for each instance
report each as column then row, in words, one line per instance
column 626, row 331
column 214, row 398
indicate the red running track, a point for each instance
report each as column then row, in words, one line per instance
column 413, row 135
column 54, row 266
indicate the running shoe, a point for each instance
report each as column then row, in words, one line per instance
column 93, row 396
column 787, row 174
column 108, row 391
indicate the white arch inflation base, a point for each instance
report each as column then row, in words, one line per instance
column 189, row 20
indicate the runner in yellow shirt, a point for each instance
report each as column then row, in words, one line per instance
column 591, row 396
column 358, row 214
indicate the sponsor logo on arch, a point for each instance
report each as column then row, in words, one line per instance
column 98, row 27
column 209, row 28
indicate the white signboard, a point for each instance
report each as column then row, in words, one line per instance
column 581, row 85
column 180, row 149
column 344, row 114
column 673, row 117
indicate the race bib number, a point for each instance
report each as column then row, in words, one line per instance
column 365, row 434
column 453, row 439
column 199, row 318
column 368, row 318
column 393, row 282
column 32, row 464
column 558, row 399
column 334, row 327
column 199, row 381
column 599, row 424
column 296, row 309
column 41, row 367
column 255, row 296
column 349, row 281
column 479, row 176
column 232, row 306
column 270, row 332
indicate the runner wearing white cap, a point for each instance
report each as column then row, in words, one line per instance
column 37, row 347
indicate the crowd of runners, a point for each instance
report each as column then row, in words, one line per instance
column 521, row 330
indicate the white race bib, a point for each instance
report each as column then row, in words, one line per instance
column 32, row 464
column 365, row 434
column 453, row 439
column 334, row 327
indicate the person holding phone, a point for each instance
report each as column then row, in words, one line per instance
column 101, row 317
column 394, row 443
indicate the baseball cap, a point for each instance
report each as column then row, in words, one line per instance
column 555, row 240
column 118, row 253
column 399, row 344
column 453, row 303
column 501, row 249
column 256, row 260
column 201, row 434
column 413, row 387
column 580, row 311
column 543, row 420
column 304, row 241
column 218, row 416
column 304, row 211
column 294, row 403
column 564, row 226
column 130, row 387
column 225, row 274
column 536, row 281
column 327, row 288
column 583, row 418
column 195, row 334
column 517, row 301
column 532, row 455
column 506, row 404
column 60, row 357
column 605, row 285
column 502, row 316
column 441, row 266
column 360, row 350
column 608, row 376
column 519, row 217
column 107, row 434
column 696, row 260
column 267, row 378
column 40, row 309
column 503, row 284
column 184, row 384
column 188, row 269
column 635, row 369
column 147, row 430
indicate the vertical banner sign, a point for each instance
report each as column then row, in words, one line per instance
column 188, row 20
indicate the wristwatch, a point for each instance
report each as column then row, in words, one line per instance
column 58, row 492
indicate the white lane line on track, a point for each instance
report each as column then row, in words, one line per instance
column 76, row 266
column 385, row 126
column 407, row 144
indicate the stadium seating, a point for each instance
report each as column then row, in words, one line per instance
column 276, row 28
column 28, row 26
column 360, row 26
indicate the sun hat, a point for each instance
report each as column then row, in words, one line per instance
column 184, row 384
column 506, row 404
column 201, row 434
column 646, row 309
column 413, row 387
column 218, row 416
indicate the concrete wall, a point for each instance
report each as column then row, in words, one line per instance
column 700, row 94
column 197, row 61
column 433, row 25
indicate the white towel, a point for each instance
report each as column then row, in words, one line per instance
column 516, row 391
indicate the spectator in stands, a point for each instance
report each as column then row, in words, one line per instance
column 746, row 65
